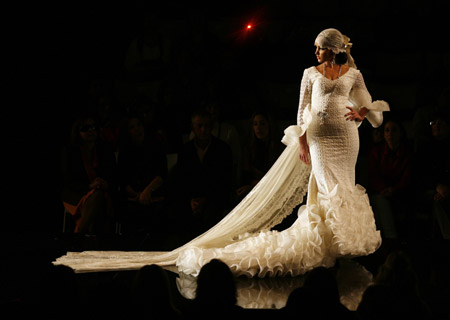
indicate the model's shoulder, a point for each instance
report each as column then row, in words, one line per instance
column 353, row 73
column 310, row 69
column 310, row 72
column 354, row 70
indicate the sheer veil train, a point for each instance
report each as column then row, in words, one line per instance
column 271, row 200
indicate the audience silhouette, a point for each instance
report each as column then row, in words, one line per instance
column 143, row 170
column 395, row 292
column 390, row 168
column 434, row 182
column 152, row 292
column 216, row 293
column 203, row 178
column 58, row 287
column 262, row 149
column 89, row 179
column 226, row 132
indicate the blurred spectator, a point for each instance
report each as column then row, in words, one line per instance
column 395, row 292
column 143, row 170
column 108, row 122
column 377, row 303
column 424, row 115
column 434, row 182
column 104, row 109
column 152, row 292
column 227, row 132
column 304, row 301
column 158, row 122
column 89, row 178
column 203, row 177
column 390, row 166
column 58, row 288
column 323, row 281
column 216, row 293
column 261, row 150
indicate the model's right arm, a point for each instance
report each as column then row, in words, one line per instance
column 303, row 117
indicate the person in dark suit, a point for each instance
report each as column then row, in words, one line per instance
column 203, row 177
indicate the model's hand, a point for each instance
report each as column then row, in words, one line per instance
column 304, row 149
column 354, row 115
column 304, row 154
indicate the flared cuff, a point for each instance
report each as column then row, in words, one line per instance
column 292, row 133
column 375, row 114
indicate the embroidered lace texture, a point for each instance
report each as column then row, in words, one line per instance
column 336, row 221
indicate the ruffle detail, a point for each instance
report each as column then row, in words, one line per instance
column 340, row 224
column 349, row 217
column 292, row 133
column 379, row 105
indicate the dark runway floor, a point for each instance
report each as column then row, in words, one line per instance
column 24, row 256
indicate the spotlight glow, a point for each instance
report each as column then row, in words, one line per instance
column 249, row 26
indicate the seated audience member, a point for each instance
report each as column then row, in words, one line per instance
column 89, row 179
column 203, row 178
column 216, row 293
column 305, row 301
column 394, row 293
column 390, row 166
column 434, row 182
column 323, row 281
column 227, row 132
column 143, row 170
column 152, row 293
column 261, row 150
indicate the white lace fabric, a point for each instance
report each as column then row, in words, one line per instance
column 337, row 220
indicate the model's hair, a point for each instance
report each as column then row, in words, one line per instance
column 341, row 58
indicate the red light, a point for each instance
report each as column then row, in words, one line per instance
column 249, row 26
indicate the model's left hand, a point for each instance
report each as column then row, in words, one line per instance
column 353, row 115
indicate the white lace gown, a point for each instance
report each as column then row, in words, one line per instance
column 336, row 221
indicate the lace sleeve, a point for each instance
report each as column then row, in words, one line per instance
column 360, row 97
column 304, row 101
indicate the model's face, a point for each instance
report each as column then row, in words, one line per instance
column 260, row 126
column 323, row 54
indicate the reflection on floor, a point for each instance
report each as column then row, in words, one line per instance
column 26, row 255
column 272, row 293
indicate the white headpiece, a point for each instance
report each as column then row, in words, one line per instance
column 334, row 40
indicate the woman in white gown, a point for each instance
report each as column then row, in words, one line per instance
column 336, row 221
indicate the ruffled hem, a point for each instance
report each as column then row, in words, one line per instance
column 340, row 224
